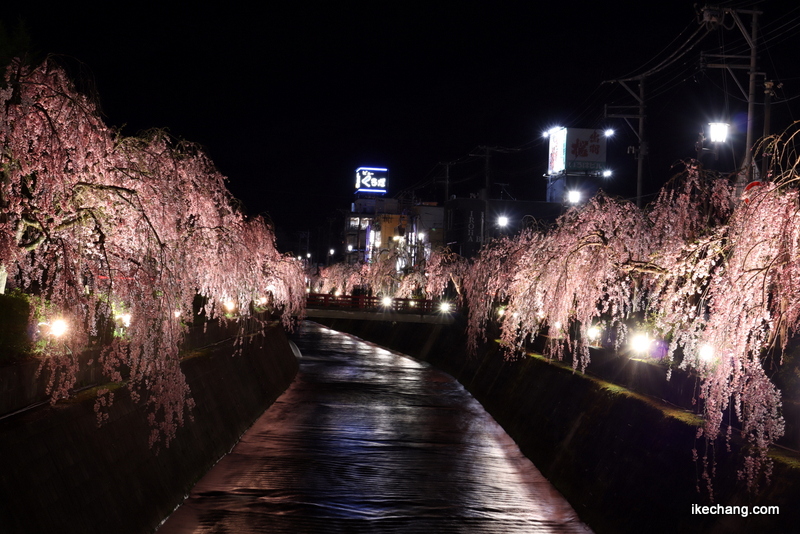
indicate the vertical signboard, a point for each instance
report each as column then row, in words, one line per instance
column 558, row 151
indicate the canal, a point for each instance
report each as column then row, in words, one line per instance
column 368, row 440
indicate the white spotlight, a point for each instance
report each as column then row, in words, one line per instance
column 717, row 132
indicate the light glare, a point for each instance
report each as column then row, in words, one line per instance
column 706, row 352
column 58, row 328
column 593, row 333
column 718, row 132
column 640, row 343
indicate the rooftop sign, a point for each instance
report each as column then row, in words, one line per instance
column 576, row 150
column 371, row 180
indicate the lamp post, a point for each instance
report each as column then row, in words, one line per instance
column 717, row 134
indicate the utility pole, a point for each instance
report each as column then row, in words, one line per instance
column 446, row 179
column 769, row 92
column 484, row 195
column 633, row 112
column 487, row 153
column 713, row 15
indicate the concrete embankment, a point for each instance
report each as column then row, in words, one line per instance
column 622, row 459
column 60, row 473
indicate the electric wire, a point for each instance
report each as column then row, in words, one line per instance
column 664, row 75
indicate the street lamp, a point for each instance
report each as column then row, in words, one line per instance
column 502, row 221
column 717, row 133
column 573, row 197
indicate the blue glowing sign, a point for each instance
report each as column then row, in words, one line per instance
column 371, row 180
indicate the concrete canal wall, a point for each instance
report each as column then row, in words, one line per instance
column 623, row 460
column 60, row 473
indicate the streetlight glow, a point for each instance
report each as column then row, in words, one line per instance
column 607, row 173
column 552, row 130
column 573, row 197
column 717, row 132
column 502, row 221
column 609, row 132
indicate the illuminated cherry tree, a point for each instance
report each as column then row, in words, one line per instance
column 117, row 236
column 445, row 269
column 713, row 277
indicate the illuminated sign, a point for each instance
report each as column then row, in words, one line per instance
column 556, row 163
column 371, row 180
column 576, row 149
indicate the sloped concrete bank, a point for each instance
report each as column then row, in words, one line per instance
column 623, row 460
column 60, row 473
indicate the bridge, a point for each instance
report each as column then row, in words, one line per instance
column 371, row 308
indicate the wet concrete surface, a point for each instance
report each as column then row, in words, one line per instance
column 367, row 440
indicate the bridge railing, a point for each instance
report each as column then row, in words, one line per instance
column 370, row 303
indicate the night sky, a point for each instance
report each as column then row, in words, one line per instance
column 289, row 98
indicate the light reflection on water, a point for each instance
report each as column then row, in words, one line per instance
column 366, row 440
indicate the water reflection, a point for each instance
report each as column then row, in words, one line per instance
column 366, row 440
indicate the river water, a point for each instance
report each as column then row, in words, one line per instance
column 368, row 440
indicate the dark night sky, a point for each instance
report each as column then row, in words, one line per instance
column 290, row 97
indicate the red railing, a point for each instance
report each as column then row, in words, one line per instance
column 364, row 302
